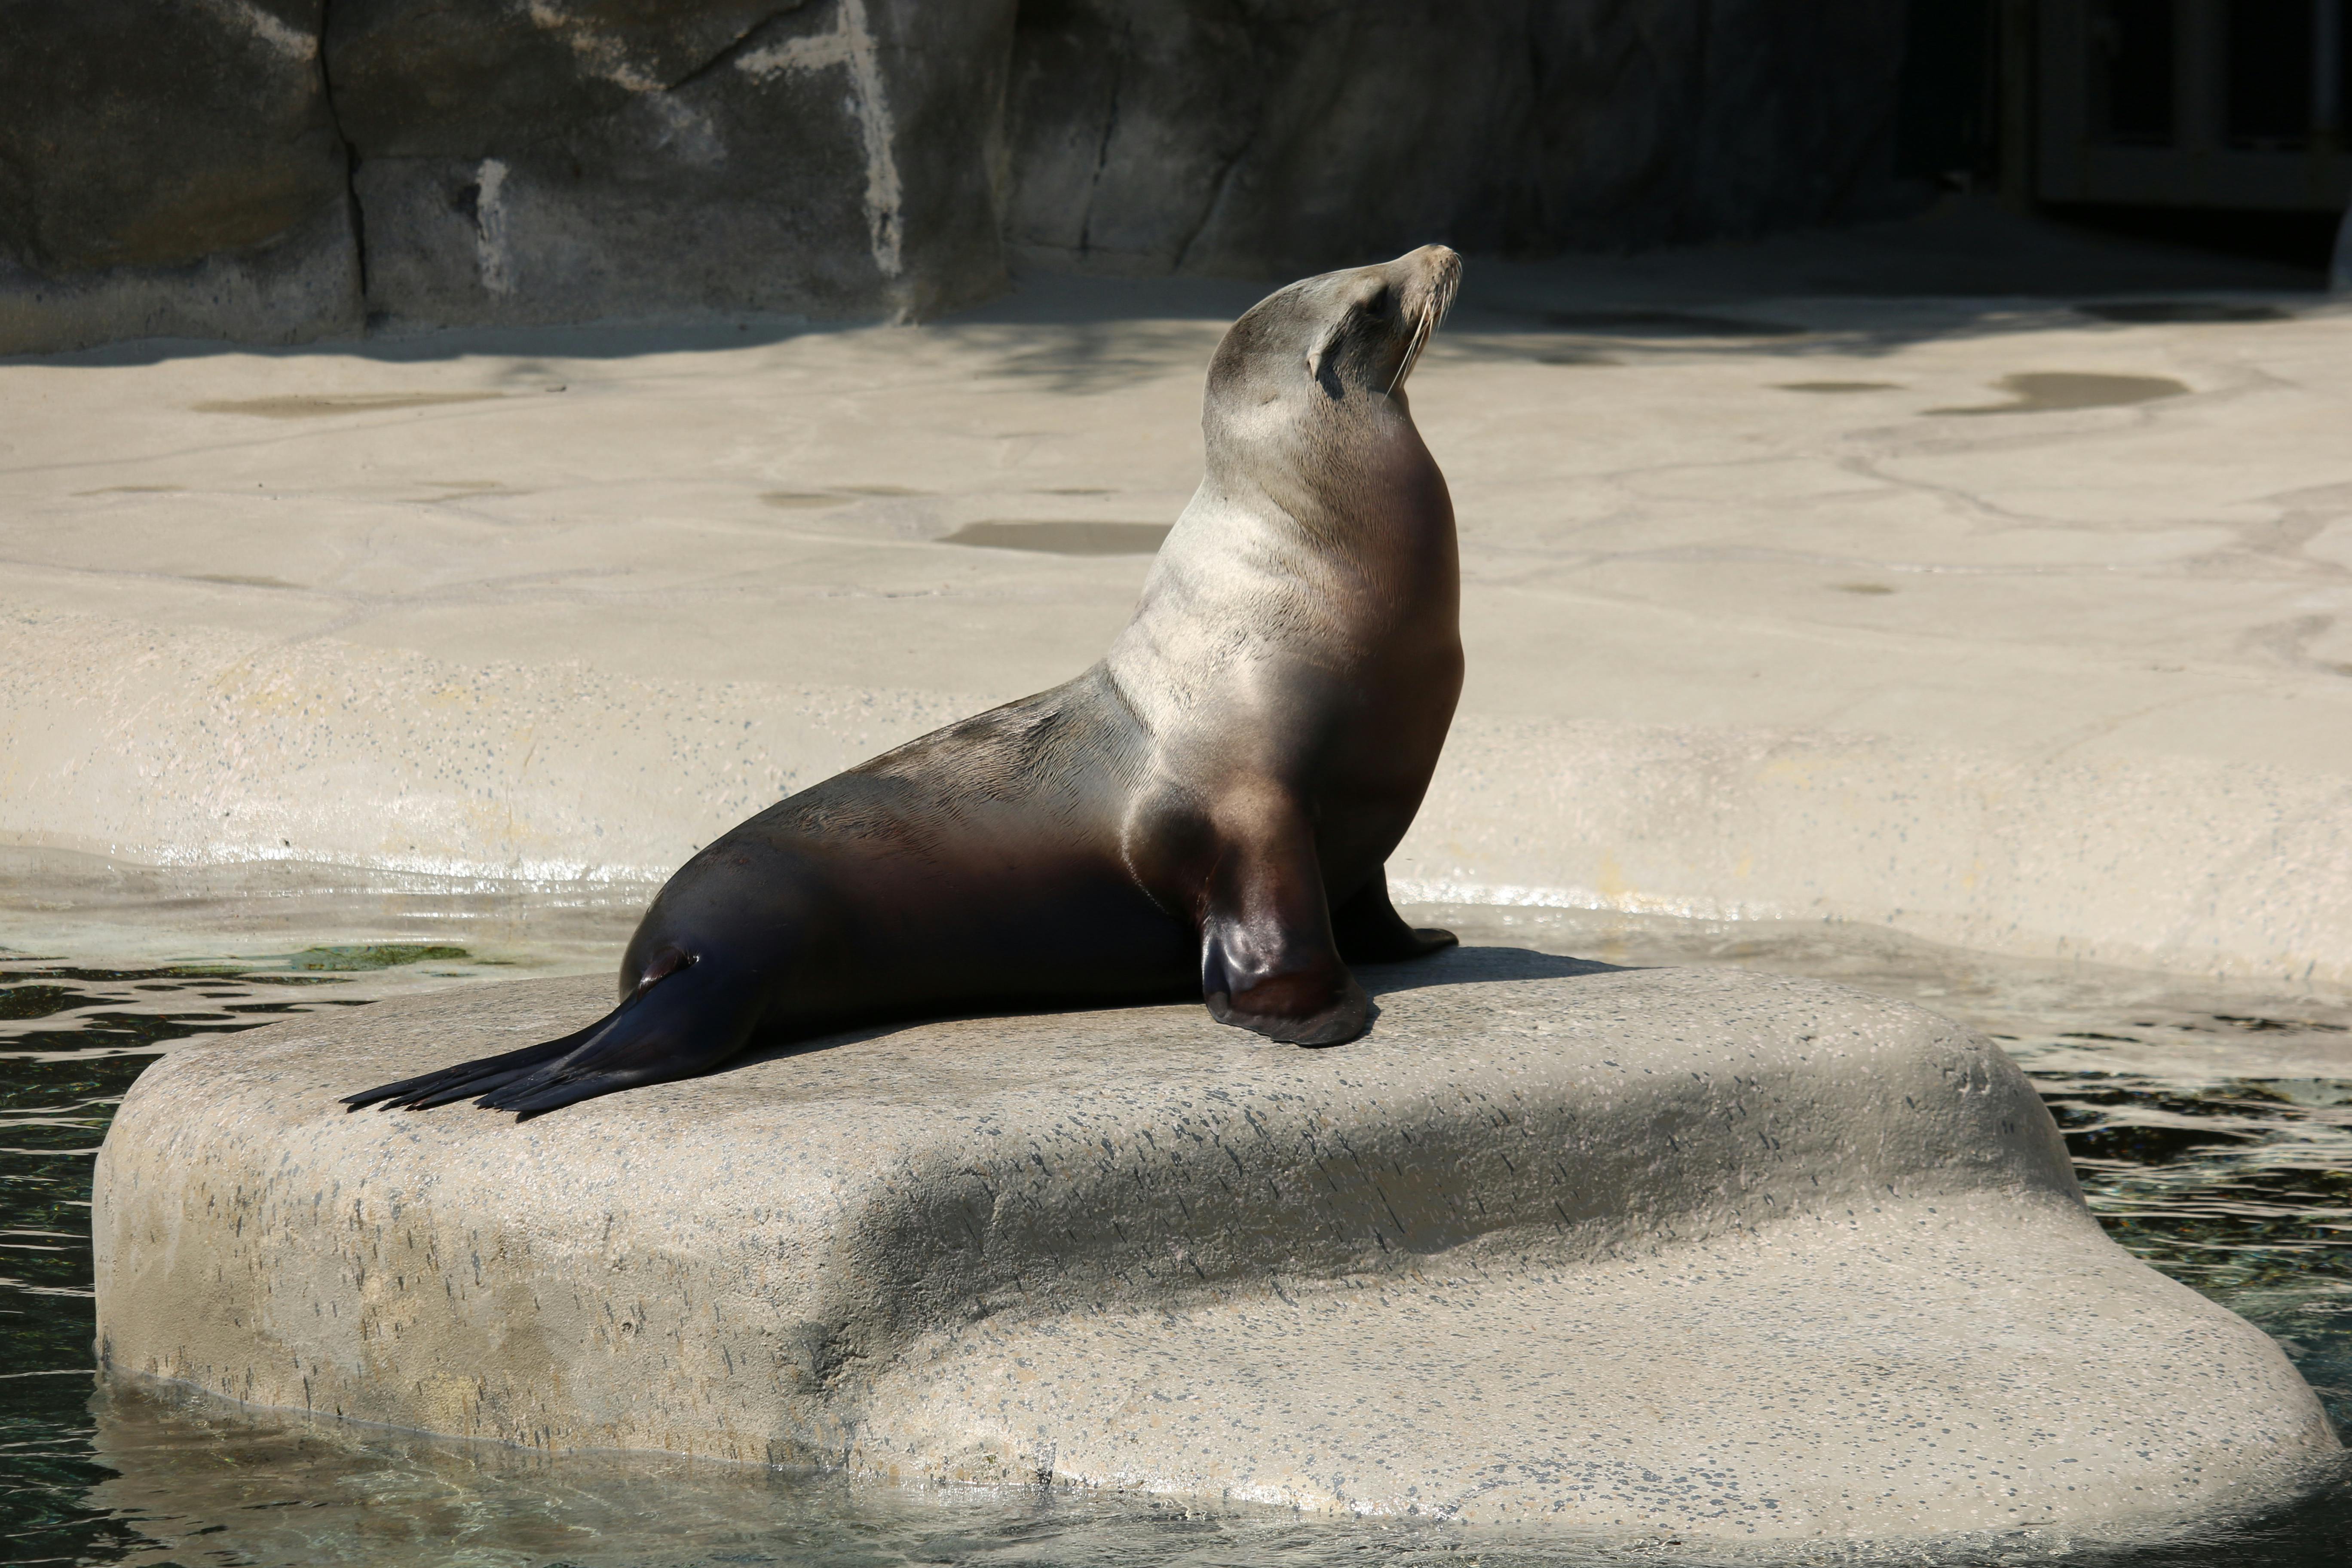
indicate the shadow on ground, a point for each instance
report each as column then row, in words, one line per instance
column 1469, row 965
column 1454, row 966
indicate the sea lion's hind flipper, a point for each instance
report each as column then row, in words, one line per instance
column 696, row 1018
column 477, row 1076
column 1267, row 962
column 1370, row 930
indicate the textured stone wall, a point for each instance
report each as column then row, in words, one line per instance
column 1266, row 136
column 275, row 170
column 637, row 158
column 169, row 170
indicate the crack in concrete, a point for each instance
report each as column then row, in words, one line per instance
column 351, row 157
column 1102, row 148
column 745, row 43
column 1219, row 194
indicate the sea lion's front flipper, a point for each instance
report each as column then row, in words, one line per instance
column 1267, row 959
column 1370, row 930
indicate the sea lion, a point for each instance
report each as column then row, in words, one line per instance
column 1210, row 806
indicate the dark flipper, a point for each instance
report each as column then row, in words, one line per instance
column 1267, row 962
column 697, row 1017
column 683, row 1018
column 1370, row 930
column 477, row 1076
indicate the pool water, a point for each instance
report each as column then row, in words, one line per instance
column 2211, row 1128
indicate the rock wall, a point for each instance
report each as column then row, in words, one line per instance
column 1268, row 136
column 169, row 171
column 277, row 170
column 637, row 159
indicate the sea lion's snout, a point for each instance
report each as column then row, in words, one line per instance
column 1354, row 334
column 1426, row 281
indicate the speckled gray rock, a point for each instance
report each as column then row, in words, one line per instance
column 1729, row 1255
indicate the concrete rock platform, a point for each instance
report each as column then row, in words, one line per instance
column 1735, row 1256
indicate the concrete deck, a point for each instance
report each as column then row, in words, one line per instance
column 1983, row 617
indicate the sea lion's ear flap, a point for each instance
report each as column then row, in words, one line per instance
column 1318, row 355
column 1361, row 295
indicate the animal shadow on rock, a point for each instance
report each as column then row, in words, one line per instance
column 1465, row 965
column 1454, row 966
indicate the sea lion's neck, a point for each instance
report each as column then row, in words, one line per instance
column 1362, row 483
column 1336, row 553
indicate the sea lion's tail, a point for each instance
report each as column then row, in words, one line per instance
column 683, row 1018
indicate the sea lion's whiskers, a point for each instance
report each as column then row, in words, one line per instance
column 1434, row 306
column 1421, row 331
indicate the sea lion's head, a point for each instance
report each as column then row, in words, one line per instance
column 1306, row 400
column 1339, row 344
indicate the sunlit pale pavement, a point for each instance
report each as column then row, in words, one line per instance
column 2018, row 622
